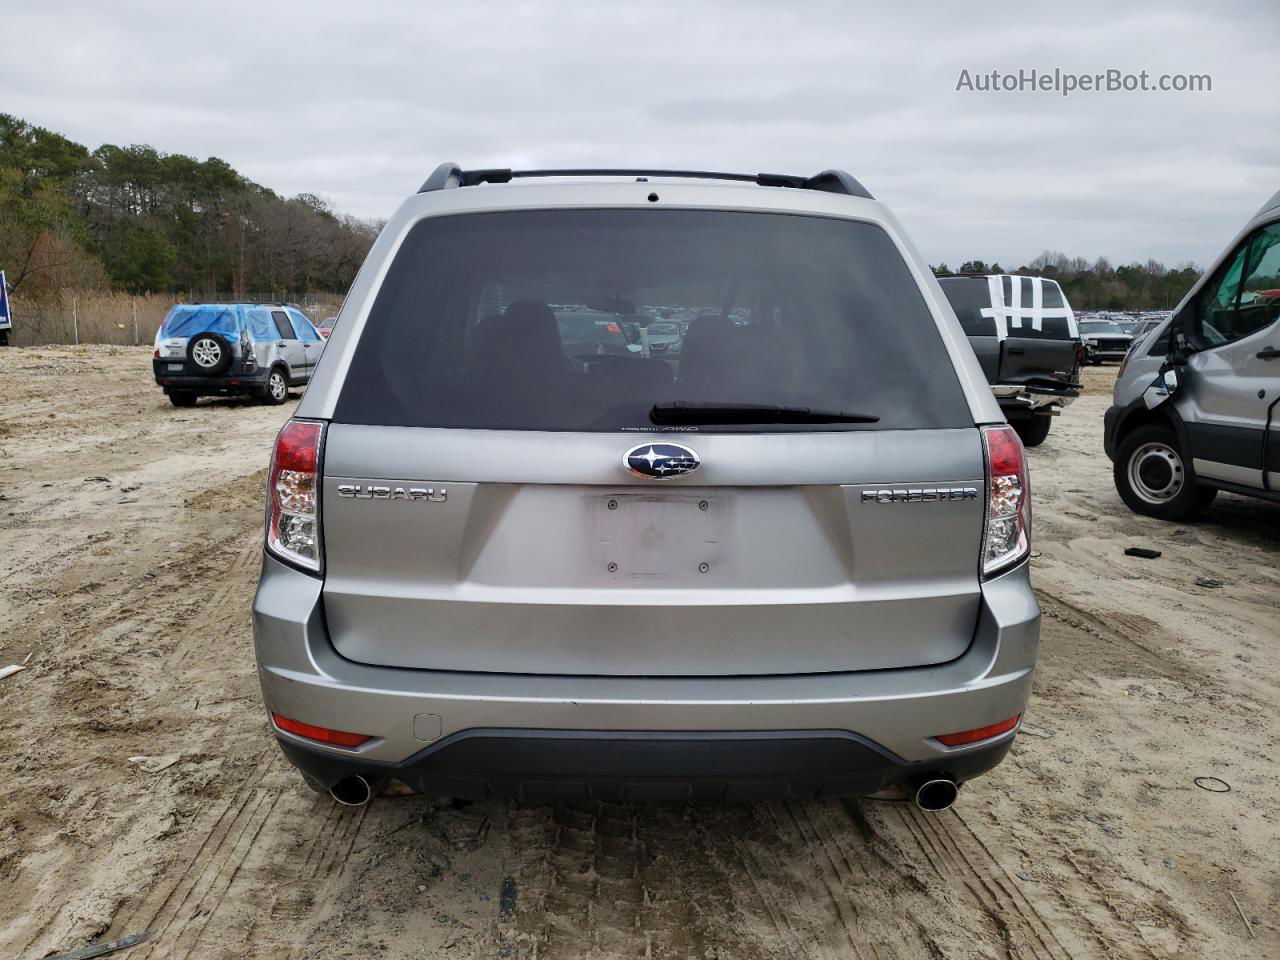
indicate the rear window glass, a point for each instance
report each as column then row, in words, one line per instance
column 969, row 296
column 187, row 321
column 527, row 321
column 971, row 299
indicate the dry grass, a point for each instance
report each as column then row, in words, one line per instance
column 119, row 318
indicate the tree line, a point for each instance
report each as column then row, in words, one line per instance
column 1097, row 285
column 138, row 220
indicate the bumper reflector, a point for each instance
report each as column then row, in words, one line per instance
column 981, row 733
column 322, row 734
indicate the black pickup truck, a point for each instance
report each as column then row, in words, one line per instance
column 1024, row 334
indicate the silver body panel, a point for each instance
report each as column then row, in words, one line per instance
column 303, row 676
column 513, row 571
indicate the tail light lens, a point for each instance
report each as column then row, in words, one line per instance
column 978, row 734
column 293, row 496
column 1007, row 537
column 339, row 738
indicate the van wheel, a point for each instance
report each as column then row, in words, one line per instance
column 276, row 389
column 182, row 398
column 1033, row 430
column 1153, row 476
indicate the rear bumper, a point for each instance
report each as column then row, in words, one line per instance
column 1021, row 398
column 577, row 765
column 848, row 732
column 226, row 384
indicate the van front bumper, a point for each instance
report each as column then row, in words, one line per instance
column 538, row 736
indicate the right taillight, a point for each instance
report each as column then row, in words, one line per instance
column 293, row 494
column 1006, row 537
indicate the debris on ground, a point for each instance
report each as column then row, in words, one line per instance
column 1240, row 910
column 1145, row 552
column 1212, row 784
column 102, row 949
column 156, row 764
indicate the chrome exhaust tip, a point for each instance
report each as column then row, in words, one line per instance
column 936, row 794
column 351, row 791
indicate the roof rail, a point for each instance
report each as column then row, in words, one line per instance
column 449, row 175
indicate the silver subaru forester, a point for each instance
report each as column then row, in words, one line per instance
column 514, row 552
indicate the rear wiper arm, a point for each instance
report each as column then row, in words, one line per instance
column 681, row 411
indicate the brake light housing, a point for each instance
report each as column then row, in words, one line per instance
column 1006, row 536
column 337, row 738
column 978, row 734
column 293, row 495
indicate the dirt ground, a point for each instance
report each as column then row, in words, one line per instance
column 142, row 791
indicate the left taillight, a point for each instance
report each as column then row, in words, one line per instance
column 293, row 495
column 1007, row 536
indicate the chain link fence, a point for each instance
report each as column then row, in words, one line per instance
column 121, row 318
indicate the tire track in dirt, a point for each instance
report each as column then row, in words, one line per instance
column 959, row 858
column 783, row 879
column 88, row 613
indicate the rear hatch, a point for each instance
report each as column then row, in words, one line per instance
column 493, row 503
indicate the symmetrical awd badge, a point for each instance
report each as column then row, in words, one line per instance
column 660, row 461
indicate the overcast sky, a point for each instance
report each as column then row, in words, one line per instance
column 358, row 101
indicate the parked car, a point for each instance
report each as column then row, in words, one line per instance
column 1195, row 404
column 664, row 337
column 1024, row 335
column 325, row 326
column 792, row 564
column 1104, row 340
column 229, row 349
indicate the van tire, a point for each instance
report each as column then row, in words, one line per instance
column 275, row 390
column 1032, row 430
column 182, row 398
column 213, row 350
column 1153, row 476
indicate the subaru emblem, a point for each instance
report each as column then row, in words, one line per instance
column 660, row 461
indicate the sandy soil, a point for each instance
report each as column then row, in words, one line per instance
column 143, row 792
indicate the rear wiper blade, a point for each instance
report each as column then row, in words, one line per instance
column 681, row 411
